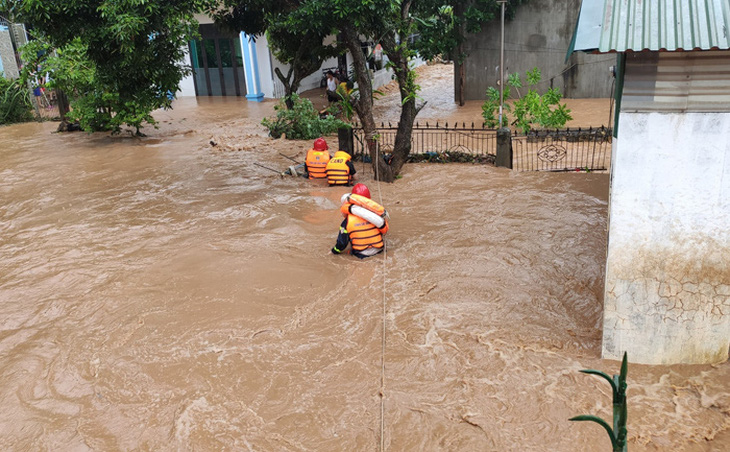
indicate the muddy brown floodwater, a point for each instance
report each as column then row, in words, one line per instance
column 165, row 294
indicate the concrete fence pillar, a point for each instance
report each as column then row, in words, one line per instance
column 504, row 148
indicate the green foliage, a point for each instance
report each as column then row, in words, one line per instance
column 348, row 97
column 442, row 25
column 15, row 103
column 72, row 72
column 618, row 433
column 409, row 90
column 301, row 122
column 129, row 50
column 528, row 111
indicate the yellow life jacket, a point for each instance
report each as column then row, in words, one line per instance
column 338, row 173
column 317, row 163
column 363, row 234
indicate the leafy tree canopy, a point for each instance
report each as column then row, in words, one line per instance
column 134, row 46
column 443, row 24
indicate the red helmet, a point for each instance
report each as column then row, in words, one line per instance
column 320, row 145
column 362, row 190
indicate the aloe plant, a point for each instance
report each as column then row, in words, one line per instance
column 618, row 432
column 15, row 101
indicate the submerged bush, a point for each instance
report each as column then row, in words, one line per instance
column 15, row 103
column 302, row 122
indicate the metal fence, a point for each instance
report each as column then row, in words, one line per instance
column 435, row 141
column 563, row 150
column 542, row 150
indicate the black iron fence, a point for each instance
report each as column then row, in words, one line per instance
column 542, row 150
column 562, row 150
column 435, row 142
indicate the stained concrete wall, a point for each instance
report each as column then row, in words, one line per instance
column 538, row 36
column 667, row 295
column 7, row 54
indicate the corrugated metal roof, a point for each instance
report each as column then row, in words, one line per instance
column 677, row 82
column 621, row 25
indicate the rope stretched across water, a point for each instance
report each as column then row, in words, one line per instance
column 382, row 343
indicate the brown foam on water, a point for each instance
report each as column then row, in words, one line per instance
column 162, row 293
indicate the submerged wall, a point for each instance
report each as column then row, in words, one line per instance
column 667, row 292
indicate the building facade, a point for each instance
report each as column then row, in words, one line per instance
column 225, row 64
column 667, row 290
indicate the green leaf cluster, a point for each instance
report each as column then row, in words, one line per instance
column 442, row 25
column 128, row 53
column 15, row 102
column 301, row 122
column 529, row 111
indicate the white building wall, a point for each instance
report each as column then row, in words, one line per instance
column 667, row 293
column 187, row 85
column 265, row 66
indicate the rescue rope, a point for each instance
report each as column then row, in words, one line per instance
column 382, row 343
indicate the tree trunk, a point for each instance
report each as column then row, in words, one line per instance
column 398, row 55
column 402, row 145
column 289, row 88
column 364, row 106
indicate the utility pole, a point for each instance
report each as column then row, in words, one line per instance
column 501, row 65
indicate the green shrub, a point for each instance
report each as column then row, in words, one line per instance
column 528, row 111
column 302, row 122
column 96, row 105
column 15, row 103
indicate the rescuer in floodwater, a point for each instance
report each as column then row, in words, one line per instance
column 364, row 225
column 340, row 170
column 317, row 158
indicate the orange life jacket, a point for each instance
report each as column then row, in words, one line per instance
column 363, row 234
column 317, row 163
column 366, row 203
column 338, row 173
column 362, row 201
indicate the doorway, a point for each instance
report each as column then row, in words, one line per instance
column 217, row 63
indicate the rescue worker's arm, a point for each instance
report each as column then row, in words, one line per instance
column 343, row 239
column 351, row 167
column 384, row 229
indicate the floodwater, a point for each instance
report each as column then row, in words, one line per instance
column 166, row 294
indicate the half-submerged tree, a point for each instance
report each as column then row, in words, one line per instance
column 135, row 47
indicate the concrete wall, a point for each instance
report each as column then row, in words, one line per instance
column 667, row 296
column 7, row 55
column 538, row 36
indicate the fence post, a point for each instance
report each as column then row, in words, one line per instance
column 344, row 138
column 504, row 148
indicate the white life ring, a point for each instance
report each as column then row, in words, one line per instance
column 364, row 213
column 367, row 215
